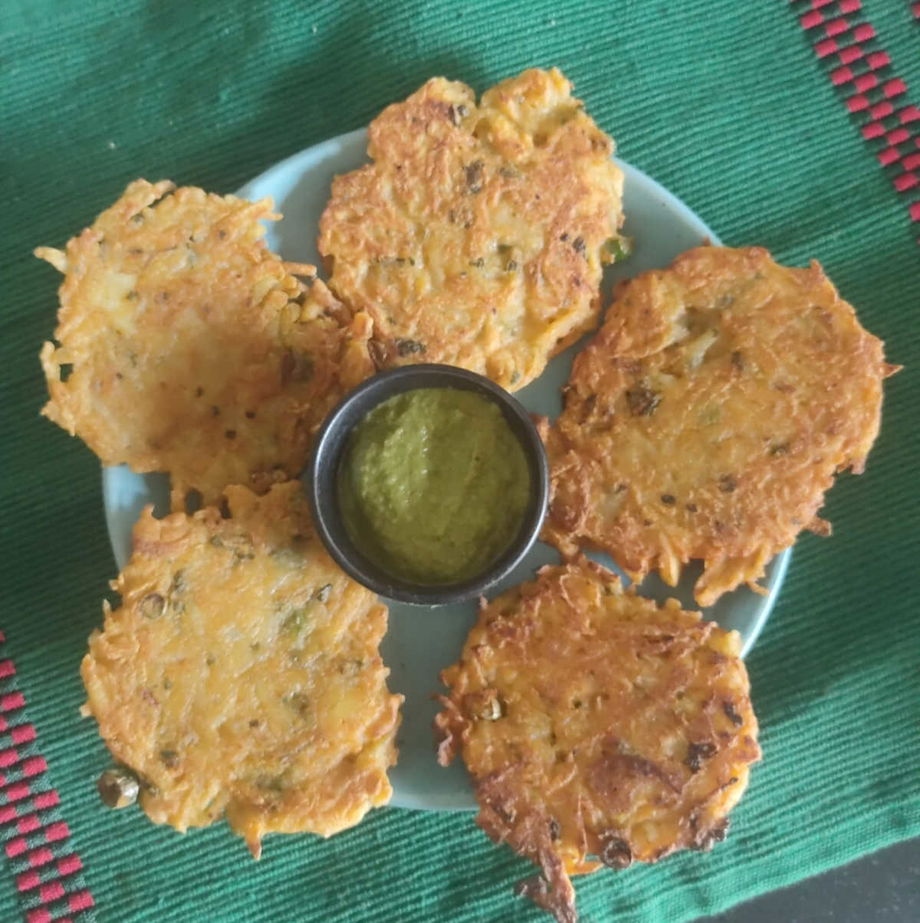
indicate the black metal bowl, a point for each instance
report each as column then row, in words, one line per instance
column 325, row 464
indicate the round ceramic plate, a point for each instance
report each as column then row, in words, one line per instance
column 422, row 641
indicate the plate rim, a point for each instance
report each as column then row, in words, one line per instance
column 779, row 563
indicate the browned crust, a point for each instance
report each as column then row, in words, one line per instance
column 240, row 675
column 708, row 417
column 183, row 345
column 598, row 727
column 476, row 236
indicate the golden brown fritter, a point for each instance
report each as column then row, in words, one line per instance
column 709, row 415
column 598, row 727
column 240, row 675
column 187, row 347
column 476, row 236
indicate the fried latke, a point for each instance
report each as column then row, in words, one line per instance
column 477, row 235
column 187, row 347
column 709, row 415
column 599, row 728
column 240, row 675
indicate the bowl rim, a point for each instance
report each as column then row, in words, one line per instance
column 329, row 444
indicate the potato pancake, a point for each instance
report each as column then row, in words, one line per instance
column 708, row 417
column 185, row 346
column 599, row 728
column 477, row 235
column 240, row 675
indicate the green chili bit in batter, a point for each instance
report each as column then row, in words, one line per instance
column 618, row 248
column 434, row 485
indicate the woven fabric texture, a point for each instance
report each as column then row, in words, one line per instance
column 727, row 105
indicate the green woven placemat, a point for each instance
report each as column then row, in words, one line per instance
column 727, row 105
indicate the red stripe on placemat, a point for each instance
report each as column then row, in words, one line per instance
column 870, row 91
column 36, row 841
column 862, row 73
column 10, row 701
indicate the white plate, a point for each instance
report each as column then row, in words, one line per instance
column 421, row 641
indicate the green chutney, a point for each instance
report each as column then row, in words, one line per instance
column 433, row 485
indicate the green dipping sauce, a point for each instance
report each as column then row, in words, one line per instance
column 433, row 485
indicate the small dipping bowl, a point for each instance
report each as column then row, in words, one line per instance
column 328, row 453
